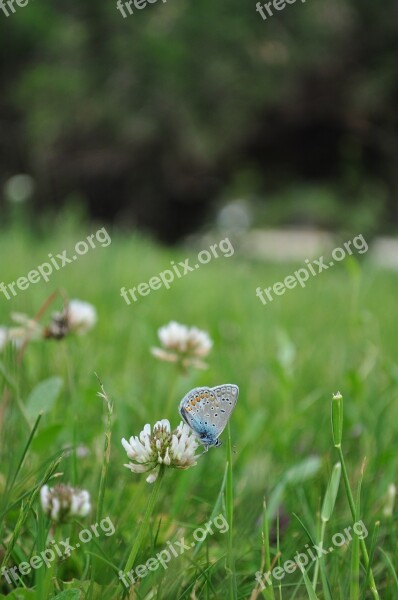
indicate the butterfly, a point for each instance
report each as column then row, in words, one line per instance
column 207, row 410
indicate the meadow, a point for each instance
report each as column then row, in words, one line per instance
column 288, row 359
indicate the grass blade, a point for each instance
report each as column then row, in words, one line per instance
column 310, row 590
column 229, row 505
column 391, row 568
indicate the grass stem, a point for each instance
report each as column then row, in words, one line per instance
column 372, row 583
column 144, row 526
column 229, row 504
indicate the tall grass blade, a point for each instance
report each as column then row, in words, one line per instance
column 229, row 506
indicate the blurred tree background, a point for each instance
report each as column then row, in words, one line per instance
column 157, row 119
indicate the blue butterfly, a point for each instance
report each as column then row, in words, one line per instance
column 207, row 410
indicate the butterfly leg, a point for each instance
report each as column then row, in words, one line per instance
column 204, row 451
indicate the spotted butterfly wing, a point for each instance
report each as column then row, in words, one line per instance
column 207, row 410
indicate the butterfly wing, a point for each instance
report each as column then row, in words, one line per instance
column 192, row 407
column 226, row 398
column 207, row 410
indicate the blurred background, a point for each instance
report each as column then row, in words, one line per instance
column 172, row 128
column 188, row 114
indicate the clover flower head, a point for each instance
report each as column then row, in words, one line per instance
column 63, row 502
column 25, row 330
column 174, row 449
column 180, row 343
column 82, row 316
column 77, row 317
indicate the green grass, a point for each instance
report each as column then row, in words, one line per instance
column 288, row 358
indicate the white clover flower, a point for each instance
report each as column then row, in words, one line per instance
column 63, row 502
column 82, row 316
column 174, row 336
column 199, row 342
column 183, row 344
column 27, row 329
column 175, row 449
column 77, row 317
column 15, row 335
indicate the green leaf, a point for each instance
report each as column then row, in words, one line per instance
column 69, row 595
column 46, row 438
column 391, row 568
column 310, row 590
column 304, row 470
column 43, row 397
column 331, row 493
column 296, row 475
column 20, row 594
